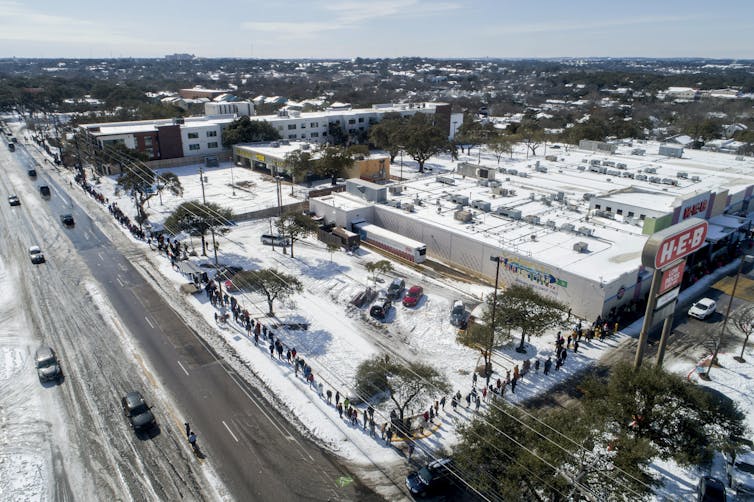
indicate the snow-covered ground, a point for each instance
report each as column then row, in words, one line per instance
column 341, row 336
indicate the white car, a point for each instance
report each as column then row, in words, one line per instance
column 35, row 253
column 703, row 308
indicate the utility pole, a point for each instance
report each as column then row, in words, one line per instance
column 211, row 227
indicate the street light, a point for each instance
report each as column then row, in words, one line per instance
column 745, row 259
column 488, row 362
column 232, row 180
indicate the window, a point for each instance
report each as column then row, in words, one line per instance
column 314, row 124
column 642, row 216
column 193, row 135
column 291, row 127
column 619, row 211
column 361, row 120
column 303, row 126
column 337, row 122
column 630, row 214
column 303, row 135
column 280, row 128
column 212, row 144
column 291, row 136
column 314, row 135
column 194, row 146
column 211, row 134
column 608, row 209
column 324, row 133
column 147, row 141
column 351, row 121
column 597, row 206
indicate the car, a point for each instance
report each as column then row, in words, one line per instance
column 413, row 296
column 47, row 364
column 703, row 308
column 740, row 472
column 67, row 220
column 32, row 173
column 458, row 314
column 381, row 308
column 13, row 200
column 44, row 190
column 138, row 413
column 710, row 489
column 395, row 289
column 36, row 255
column 433, row 478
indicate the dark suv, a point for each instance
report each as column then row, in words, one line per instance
column 433, row 478
column 137, row 411
column 48, row 366
column 395, row 290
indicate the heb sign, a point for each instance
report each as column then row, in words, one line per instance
column 669, row 245
column 671, row 277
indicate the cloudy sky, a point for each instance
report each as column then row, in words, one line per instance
column 377, row 28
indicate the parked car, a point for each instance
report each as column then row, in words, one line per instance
column 138, row 413
column 13, row 200
column 48, row 366
column 433, row 478
column 381, row 308
column 710, row 489
column 275, row 240
column 67, row 220
column 32, row 173
column 36, row 255
column 396, row 288
column 740, row 473
column 703, row 308
column 44, row 190
column 413, row 296
column 458, row 314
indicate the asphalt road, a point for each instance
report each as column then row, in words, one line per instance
column 255, row 451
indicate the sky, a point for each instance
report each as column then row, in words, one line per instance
column 378, row 28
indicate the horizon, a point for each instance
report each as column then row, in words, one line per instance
column 380, row 29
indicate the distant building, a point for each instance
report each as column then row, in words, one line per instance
column 198, row 92
column 179, row 57
column 239, row 108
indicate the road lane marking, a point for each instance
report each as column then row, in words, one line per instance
column 230, row 431
column 184, row 369
column 150, row 323
column 86, row 235
column 120, row 282
column 102, row 258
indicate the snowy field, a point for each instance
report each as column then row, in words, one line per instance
column 341, row 336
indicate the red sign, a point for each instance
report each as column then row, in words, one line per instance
column 695, row 209
column 672, row 277
column 670, row 245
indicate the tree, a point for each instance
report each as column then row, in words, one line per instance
column 333, row 161
column 501, row 145
column 679, row 420
column 140, row 180
column 245, row 130
column 274, row 285
column 532, row 135
column 385, row 135
column 378, row 268
column 295, row 226
column 422, row 139
column 403, row 384
column 331, row 248
column 474, row 133
column 523, row 308
column 298, row 162
column 197, row 218
column 743, row 319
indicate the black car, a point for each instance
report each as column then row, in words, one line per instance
column 137, row 411
column 47, row 364
column 67, row 220
column 395, row 290
column 44, row 190
column 433, row 478
column 381, row 308
column 13, row 200
column 32, row 173
column 710, row 489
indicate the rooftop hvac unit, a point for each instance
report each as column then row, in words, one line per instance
column 581, row 168
column 603, row 170
column 567, row 227
column 493, row 183
column 613, row 172
column 551, row 158
column 513, row 172
column 608, row 163
column 514, row 214
column 588, row 196
column 682, row 175
column 463, row 216
column 395, row 189
column 550, row 223
column 627, row 174
column 540, row 169
column 621, row 165
column 584, row 161
column 594, row 169
column 560, row 196
column 394, row 203
column 581, row 247
column 285, row 142
column 532, row 196
column 483, row 182
column 638, row 151
column 275, row 144
column 407, row 206
column 651, row 170
column 572, row 206
column 532, row 218
column 641, row 177
column 445, row 180
column 482, row 205
column 459, row 199
column 585, row 230
column 502, row 170
column 523, row 174
column 655, row 179
column 669, row 181
column 594, row 162
column 696, row 178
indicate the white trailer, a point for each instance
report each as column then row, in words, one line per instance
column 393, row 243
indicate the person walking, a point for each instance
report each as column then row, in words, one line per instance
column 442, row 402
column 382, row 430
column 337, row 397
column 473, row 379
column 513, row 384
column 478, row 403
column 411, row 448
column 576, row 346
column 536, row 366
column 548, row 365
column 339, row 407
column 188, row 429
column 192, row 442
column 389, row 436
column 329, row 396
